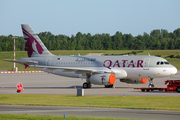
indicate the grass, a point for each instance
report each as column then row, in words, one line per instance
column 131, row 102
column 22, row 54
column 47, row 117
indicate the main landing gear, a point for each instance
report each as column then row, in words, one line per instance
column 108, row 86
column 86, row 85
column 151, row 85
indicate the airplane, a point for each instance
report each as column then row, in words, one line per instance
column 99, row 70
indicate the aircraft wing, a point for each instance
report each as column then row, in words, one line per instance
column 79, row 69
column 21, row 62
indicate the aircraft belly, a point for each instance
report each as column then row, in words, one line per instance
column 150, row 73
column 161, row 72
column 140, row 73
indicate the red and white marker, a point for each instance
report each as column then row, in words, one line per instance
column 14, row 54
column 21, row 72
column 19, row 87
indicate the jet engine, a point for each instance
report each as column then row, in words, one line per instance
column 135, row 80
column 103, row 79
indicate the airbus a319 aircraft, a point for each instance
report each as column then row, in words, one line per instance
column 100, row 70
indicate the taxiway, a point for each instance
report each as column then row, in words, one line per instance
column 91, row 112
column 44, row 83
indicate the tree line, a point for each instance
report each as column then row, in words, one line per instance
column 156, row 40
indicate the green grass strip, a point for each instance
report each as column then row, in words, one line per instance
column 38, row 117
column 133, row 102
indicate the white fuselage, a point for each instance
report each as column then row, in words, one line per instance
column 121, row 66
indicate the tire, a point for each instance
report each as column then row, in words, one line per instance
column 89, row 85
column 178, row 89
column 147, row 90
column 108, row 86
column 151, row 85
column 85, row 85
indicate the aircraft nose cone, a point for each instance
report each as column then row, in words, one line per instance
column 174, row 71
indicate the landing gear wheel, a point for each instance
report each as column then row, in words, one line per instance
column 89, row 85
column 151, row 85
column 86, row 85
column 108, row 86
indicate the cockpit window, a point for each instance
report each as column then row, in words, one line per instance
column 166, row 63
column 162, row 63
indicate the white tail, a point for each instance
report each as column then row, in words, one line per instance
column 34, row 45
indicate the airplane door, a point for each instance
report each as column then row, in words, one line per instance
column 48, row 61
column 146, row 64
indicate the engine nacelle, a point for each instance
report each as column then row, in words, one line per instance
column 103, row 79
column 135, row 80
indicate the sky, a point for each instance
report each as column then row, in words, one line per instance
column 68, row 17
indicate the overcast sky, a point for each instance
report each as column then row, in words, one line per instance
column 69, row 17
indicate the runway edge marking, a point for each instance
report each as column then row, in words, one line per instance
column 21, row 72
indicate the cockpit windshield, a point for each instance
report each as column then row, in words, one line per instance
column 162, row 63
column 166, row 63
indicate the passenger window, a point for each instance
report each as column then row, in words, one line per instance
column 162, row 63
column 157, row 63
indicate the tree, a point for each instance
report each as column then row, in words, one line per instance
column 158, row 39
column 177, row 32
column 164, row 33
column 155, row 32
column 158, row 45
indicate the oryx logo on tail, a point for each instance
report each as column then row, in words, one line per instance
column 32, row 45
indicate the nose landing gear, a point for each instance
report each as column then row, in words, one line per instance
column 151, row 85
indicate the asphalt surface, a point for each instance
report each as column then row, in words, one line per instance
column 91, row 112
column 44, row 83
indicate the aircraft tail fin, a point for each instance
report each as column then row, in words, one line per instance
column 34, row 45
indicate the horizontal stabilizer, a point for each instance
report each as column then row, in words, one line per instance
column 21, row 62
